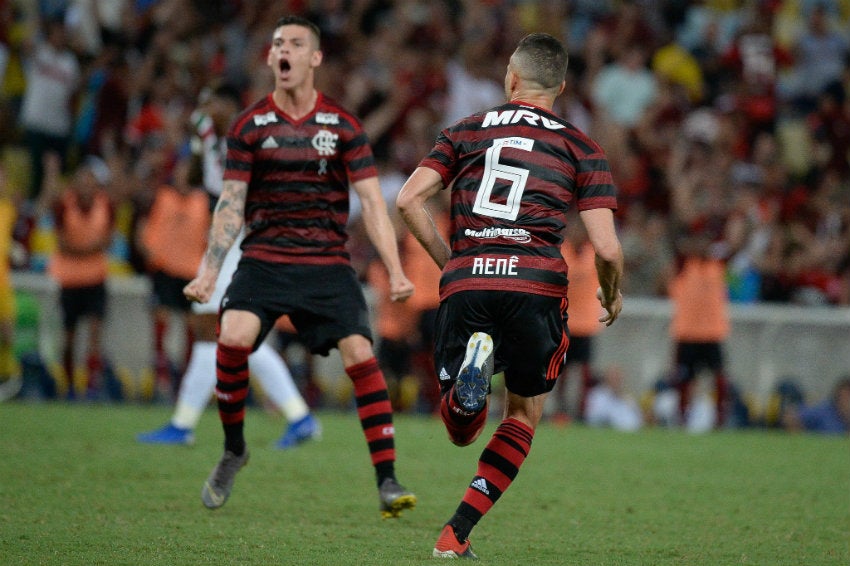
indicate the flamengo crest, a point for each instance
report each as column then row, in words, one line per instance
column 325, row 142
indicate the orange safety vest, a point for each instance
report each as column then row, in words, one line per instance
column 421, row 269
column 584, row 308
column 175, row 234
column 395, row 320
column 700, row 302
column 80, row 230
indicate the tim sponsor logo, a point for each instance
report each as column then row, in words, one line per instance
column 327, row 118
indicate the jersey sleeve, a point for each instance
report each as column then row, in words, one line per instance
column 594, row 183
column 240, row 157
column 442, row 158
column 358, row 157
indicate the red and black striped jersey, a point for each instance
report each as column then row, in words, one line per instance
column 513, row 172
column 299, row 174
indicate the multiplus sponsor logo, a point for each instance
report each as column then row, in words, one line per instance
column 518, row 235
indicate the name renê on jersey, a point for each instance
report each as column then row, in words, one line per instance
column 506, row 117
column 495, row 266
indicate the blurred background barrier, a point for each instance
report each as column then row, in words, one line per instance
column 768, row 343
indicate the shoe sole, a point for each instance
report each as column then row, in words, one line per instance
column 393, row 511
column 448, row 539
column 473, row 380
column 450, row 554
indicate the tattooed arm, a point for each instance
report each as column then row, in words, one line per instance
column 226, row 223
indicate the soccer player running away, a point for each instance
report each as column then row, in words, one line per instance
column 291, row 158
column 513, row 172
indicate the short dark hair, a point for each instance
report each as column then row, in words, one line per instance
column 303, row 22
column 228, row 91
column 543, row 59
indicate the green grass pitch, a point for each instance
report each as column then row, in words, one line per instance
column 75, row 488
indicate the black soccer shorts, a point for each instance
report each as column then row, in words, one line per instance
column 324, row 302
column 529, row 334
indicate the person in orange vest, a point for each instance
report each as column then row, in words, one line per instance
column 700, row 322
column 173, row 238
column 406, row 329
column 396, row 324
column 425, row 276
column 85, row 216
column 584, row 312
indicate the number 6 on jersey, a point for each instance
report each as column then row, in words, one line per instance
column 493, row 170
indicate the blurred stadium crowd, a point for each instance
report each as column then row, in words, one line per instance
column 723, row 119
column 727, row 122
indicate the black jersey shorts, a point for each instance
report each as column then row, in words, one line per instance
column 324, row 302
column 168, row 292
column 581, row 350
column 529, row 334
column 693, row 356
column 79, row 302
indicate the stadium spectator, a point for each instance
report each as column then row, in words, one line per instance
column 503, row 290
column 173, row 240
column 700, row 322
column 84, row 216
column 829, row 128
column 609, row 405
column 52, row 81
column 755, row 60
column 295, row 242
column 624, row 89
column 583, row 311
column 819, row 58
column 175, row 56
column 648, row 252
column 831, row 416
column 470, row 86
column 406, row 329
column 175, row 47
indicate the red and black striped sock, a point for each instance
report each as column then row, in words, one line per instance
column 376, row 416
column 463, row 427
column 497, row 467
column 231, row 390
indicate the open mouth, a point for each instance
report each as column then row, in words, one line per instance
column 284, row 65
